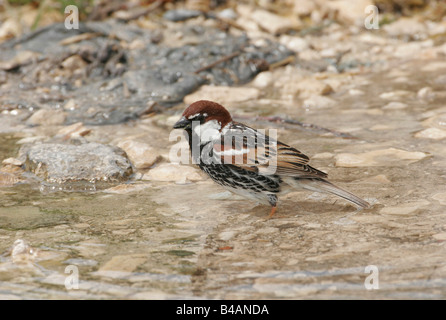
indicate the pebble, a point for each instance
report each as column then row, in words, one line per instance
column 263, row 80
column 378, row 158
column 47, row 117
column 75, row 130
column 70, row 105
column 296, row 44
column 142, row 155
column 356, row 92
column 441, row 197
column 21, row 251
column 323, row 155
column 223, row 94
column 431, row 133
column 395, row 95
column 318, row 102
column 173, row 172
column 73, row 63
column 273, row 23
column 395, row 105
column 311, row 88
column 13, row 162
column 426, row 93
column 406, row 208
column 226, row 235
column 440, row 236
column 228, row 13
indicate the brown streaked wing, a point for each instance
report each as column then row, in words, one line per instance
column 249, row 149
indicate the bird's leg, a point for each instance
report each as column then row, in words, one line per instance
column 273, row 211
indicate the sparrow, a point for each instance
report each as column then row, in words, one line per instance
column 249, row 162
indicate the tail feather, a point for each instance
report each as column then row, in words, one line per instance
column 321, row 185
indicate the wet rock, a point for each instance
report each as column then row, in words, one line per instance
column 8, row 179
column 124, row 263
column 22, row 252
column 223, row 94
column 226, row 235
column 140, row 154
column 316, row 101
column 173, row 172
column 426, row 93
column 441, row 197
column 440, row 236
column 356, row 92
column 406, row 208
column 113, row 84
column 307, row 88
column 431, row 133
column 395, row 95
column 13, row 162
column 378, row 158
column 73, row 131
column 89, row 162
column 395, row 105
column 436, row 121
column 73, row 63
column 47, row 117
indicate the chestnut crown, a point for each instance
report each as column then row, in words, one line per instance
column 204, row 111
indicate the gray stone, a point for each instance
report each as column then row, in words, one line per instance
column 89, row 162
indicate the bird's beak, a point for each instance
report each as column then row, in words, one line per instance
column 183, row 123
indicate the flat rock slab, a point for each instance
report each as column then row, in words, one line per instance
column 89, row 162
column 112, row 72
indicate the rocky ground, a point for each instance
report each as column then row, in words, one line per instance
column 85, row 139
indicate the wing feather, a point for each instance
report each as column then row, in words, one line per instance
column 253, row 150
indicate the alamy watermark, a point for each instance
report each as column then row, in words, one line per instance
column 372, row 19
column 371, row 282
column 72, row 280
column 72, row 18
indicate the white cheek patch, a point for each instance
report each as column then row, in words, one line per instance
column 208, row 131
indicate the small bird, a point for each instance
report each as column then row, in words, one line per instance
column 247, row 161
